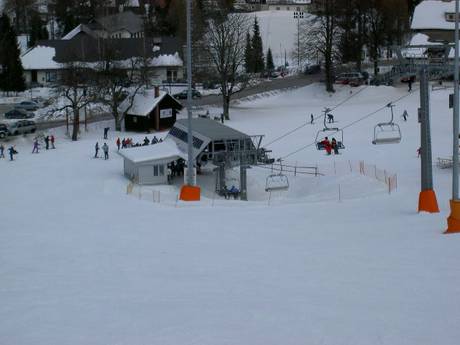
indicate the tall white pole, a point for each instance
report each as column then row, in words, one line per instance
column 456, row 109
column 190, row 164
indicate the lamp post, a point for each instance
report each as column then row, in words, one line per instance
column 189, row 192
column 298, row 15
column 453, row 222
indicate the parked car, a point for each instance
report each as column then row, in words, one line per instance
column 22, row 127
column 27, row 105
column 312, row 69
column 18, row 114
column 345, row 78
column 183, row 94
column 4, row 132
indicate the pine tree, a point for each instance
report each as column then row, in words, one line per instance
column 258, row 64
column 270, row 66
column 38, row 30
column 248, row 54
column 11, row 71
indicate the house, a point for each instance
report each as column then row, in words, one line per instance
column 43, row 64
column 120, row 25
column 436, row 19
column 150, row 110
column 288, row 5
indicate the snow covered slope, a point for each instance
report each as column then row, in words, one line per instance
column 81, row 262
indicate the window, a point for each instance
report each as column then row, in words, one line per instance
column 450, row 17
column 51, row 76
column 134, row 119
column 171, row 75
column 155, row 170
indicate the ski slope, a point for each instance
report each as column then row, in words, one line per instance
column 81, row 262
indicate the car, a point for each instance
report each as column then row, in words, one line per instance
column 22, row 127
column 183, row 94
column 345, row 78
column 27, row 105
column 4, row 132
column 18, row 114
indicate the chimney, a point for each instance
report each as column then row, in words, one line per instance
column 157, row 91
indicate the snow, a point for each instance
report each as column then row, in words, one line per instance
column 430, row 14
column 164, row 149
column 40, row 58
column 167, row 60
column 82, row 262
column 144, row 102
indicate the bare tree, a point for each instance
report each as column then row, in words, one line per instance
column 22, row 9
column 76, row 91
column 225, row 45
column 322, row 36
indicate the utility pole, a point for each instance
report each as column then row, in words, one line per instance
column 453, row 222
column 189, row 192
column 298, row 15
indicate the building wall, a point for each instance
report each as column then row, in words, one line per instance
column 43, row 77
column 286, row 7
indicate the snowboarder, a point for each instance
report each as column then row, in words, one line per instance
column 12, row 152
column 36, row 146
column 118, row 144
column 47, row 142
column 2, row 149
column 96, row 149
column 405, row 115
column 52, row 142
column 105, row 148
column 327, row 145
column 312, row 119
column 334, row 146
column 106, row 131
column 330, row 118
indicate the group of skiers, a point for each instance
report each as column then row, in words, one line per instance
column 128, row 142
column 48, row 140
column 11, row 151
column 105, row 149
column 330, row 146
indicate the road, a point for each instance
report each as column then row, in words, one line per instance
column 275, row 84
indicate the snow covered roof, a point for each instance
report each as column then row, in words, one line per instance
column 144, row 102
column 164, row 150
column 212, row 129
column 77, row 30
column 431, row 14
column 417, row 39
column 40, row 57
column 167, row 60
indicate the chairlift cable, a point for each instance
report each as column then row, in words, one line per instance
column 316, row 118
column 352, row 123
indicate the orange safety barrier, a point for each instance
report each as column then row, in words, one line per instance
column 189, row 193
column 427, row 201
column 453, row 222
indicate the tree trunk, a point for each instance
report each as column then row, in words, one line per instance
column 329, row 76
column 118, row 119
column 226, row 99
column 76, row 124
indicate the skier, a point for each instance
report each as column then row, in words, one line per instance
column 52, row 142
column 2, row 149
column 106, row 131
column 96, row 149
column 335, row 147
column 312, row 119
column 154, row 140
column 327, row 145
column 330, row 118
column 36, row 146
column 118, row 144
column 12, row 152
column 405, row 115
column 123, row 143
column 47, row 142
column 409, row 83
column 146, row 141
column 105, row 148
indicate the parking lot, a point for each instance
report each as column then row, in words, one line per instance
column 4, row 108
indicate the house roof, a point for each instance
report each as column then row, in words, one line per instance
column 213, row 130
column 430, row 14
column 145, row 101
column 167, row 149
column 82, row 28
column 85, row 48
column 121, row 21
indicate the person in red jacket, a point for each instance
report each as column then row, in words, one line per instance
column 327, row 145
column 118, row 143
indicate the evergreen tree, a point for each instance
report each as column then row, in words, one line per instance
column 248, row 54
column 270, row 66
column 258, row 64
column 11, row 71
column 37, row 31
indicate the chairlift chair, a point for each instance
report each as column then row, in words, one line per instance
column 277, row 182
column 387, row 132
column 329, row 132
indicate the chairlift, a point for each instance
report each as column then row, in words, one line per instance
column 277, row 182
column 387, row 132
column 329, row 132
